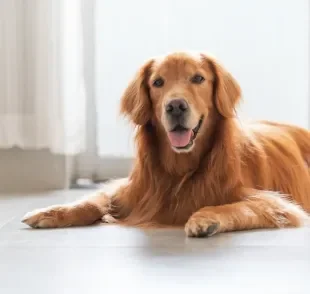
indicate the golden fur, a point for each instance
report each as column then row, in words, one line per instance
column 234, row 177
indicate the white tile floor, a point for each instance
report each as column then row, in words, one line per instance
column 108, row 258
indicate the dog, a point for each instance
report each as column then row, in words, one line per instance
column 197, row 166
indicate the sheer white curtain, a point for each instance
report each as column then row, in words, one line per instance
column 42, row 87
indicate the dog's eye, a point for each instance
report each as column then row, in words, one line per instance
column 158, row 83
column 197, row 79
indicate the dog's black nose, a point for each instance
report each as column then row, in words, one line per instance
column 176, row 107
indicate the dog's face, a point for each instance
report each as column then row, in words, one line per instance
column 177, row 93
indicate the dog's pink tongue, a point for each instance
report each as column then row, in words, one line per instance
column 180, row 139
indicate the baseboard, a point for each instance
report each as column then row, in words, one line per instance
column 33, row 170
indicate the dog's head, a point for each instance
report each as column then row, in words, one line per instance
column 178, row 92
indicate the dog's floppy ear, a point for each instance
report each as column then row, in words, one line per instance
column 135, row 102
column 227, row 90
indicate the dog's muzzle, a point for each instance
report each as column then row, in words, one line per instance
column 180, row 136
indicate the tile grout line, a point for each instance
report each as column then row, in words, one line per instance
column 6, row 222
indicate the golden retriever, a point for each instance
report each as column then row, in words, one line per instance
column 196, row 166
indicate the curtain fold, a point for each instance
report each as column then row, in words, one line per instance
column 42, row 87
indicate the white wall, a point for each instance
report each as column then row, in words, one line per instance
column 264, row 43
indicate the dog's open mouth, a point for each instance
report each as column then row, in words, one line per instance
column 183, row 138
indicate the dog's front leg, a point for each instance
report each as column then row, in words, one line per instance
column 80, row 213
column 259, row 209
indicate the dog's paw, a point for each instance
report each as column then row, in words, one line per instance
column 108, row 219
column 201, row 227
column 50, row 217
